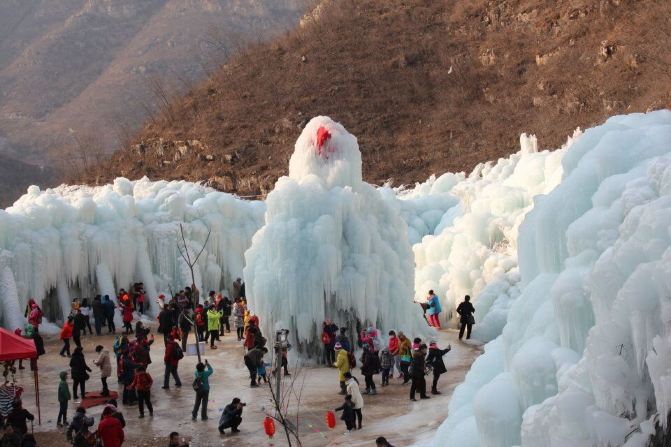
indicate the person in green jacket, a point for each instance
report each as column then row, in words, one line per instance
column 213, row 318
column 201, row 385
column 63, row 398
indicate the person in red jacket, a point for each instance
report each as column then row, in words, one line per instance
column 127, row 312
column 110, row 430
column 142, row 384
column 66, row 334
column 394, row 350
column 173, row 354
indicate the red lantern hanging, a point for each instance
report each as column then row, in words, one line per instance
column 269, row 426
column 330, row 419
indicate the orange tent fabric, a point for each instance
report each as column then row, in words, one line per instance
column 14, row 347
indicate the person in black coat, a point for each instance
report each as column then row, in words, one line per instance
column 418, row 372
column 109, row 309
column 98, row 314
column 435, row 360
column 232, row 416
column 17, row 418
column 466, row 310
column 165, row 323
column 348, row 414
column 370, row 365
column 79, row 371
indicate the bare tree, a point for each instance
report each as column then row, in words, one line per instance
column 191, row 263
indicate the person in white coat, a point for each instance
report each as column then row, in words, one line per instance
column 357, row 399
column 103, row 362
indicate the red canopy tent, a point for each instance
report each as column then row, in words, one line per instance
column 15, row 347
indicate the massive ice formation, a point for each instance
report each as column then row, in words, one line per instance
column 70, row 242
column 468, row 228
column 331, row 247
column 584, row 358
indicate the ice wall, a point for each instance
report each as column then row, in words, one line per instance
column 584, row 356
column 331, row 246
column 72, row 242
column 469, row 231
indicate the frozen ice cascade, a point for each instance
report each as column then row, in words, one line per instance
column 585, row 355
column 566, row 253
column 75, row 241
column 331, row 246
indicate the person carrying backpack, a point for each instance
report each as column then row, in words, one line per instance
column 80, row 422
column 342, row 363
column 201, row 385
column 173, row 354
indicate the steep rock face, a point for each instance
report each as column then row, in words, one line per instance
column 427, row 87
column 84, row 73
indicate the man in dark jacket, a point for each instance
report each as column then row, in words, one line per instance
column 17, row 418
column 98, row 314
column 232, row 416
column 435, row 361
column 109, row 309
column 184, row 321
column 382, row 442
column 254, row 359
column 226, row 307
column 173, row 354
column 165, row 323
column 418, row 366
column 466, row 310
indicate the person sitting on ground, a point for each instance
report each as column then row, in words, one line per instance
column 382, row 442
column 10, row 438
column 231, row 416
column 173, row 439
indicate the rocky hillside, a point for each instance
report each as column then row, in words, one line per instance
column 85, row 73
column 427, row 86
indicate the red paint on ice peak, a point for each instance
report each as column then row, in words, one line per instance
column 323, row 136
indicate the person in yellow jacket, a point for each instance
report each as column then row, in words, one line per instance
column 213, row 317
column 342, row 363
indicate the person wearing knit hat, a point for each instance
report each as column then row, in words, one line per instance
column 435, row 361
column 342, row 363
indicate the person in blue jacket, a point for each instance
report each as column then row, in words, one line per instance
column 433, row 309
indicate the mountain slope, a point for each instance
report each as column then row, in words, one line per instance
column 75, row 70
column 426, row 86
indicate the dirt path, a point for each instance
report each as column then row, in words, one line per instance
column 390, row 413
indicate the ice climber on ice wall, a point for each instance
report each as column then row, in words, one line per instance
column 331, row 247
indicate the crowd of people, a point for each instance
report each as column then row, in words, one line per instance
column 397, row 357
